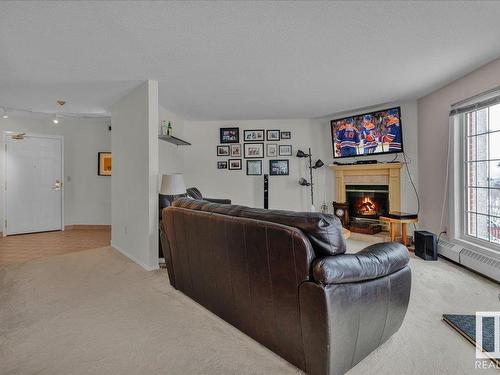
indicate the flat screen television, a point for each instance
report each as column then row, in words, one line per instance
column 372, row 133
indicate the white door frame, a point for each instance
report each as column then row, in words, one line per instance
column 3, row 180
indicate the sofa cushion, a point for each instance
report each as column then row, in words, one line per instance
column 374, row 261
column 323, row 231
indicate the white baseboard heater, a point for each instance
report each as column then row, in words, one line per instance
column 486, row 265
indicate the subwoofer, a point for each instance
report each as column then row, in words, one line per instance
column 425, row 245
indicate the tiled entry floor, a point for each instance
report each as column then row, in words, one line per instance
column 25, row 247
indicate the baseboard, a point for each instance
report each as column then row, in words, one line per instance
column 134, row 259
column 88, row 226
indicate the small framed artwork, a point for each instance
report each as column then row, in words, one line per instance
column 285, row 150
column 229, row 135
column 222, row 165
column 278, row 167
column 253, row 150
column 222, row 150
column 272, row 150
column 273, row 135
column 236, row 150
column 104, row 164
column 234, row 164
column 254, row 167
column 253, row 135
column 286, row 135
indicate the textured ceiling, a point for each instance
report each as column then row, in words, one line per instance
column 239, row 60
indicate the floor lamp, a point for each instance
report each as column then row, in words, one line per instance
column 303, row 181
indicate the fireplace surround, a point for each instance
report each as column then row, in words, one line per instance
column 379, row 182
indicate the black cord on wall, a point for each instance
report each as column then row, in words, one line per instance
column 412, row 183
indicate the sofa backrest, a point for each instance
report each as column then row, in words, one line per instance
column 244, row 270
column 324, row 231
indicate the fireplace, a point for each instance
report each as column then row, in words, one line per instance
column 367, row 201
column 366, row 204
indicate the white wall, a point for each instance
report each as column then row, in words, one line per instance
column 284, row 191
column 171, row 157
column 134, row 184
column 87, row 196
column 433, row 112
column 200, row 162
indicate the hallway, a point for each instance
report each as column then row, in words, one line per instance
column 26, row 247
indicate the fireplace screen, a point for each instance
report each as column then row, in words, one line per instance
column 367, row 201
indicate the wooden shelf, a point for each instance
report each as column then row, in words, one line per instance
column 174, row 140
column 362, row 168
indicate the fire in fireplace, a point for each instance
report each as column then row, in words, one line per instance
column 367, row 201
column 366, row 206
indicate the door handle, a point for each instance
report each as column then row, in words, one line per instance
column 58, row 185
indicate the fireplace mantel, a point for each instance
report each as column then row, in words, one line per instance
column 369, row 174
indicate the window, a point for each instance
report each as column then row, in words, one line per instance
column 481, row 159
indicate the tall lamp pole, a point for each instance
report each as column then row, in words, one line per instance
column 303, row 181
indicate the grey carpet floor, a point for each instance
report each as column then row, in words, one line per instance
column 96, row 312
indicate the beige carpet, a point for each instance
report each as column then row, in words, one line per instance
column 96, row 312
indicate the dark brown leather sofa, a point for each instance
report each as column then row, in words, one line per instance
column 283, row 278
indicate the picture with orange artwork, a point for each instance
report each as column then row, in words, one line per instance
column 104, row 165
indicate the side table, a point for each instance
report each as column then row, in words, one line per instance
column 395, row 218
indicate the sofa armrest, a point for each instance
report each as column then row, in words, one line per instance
column 216, row 200
column 372, row 262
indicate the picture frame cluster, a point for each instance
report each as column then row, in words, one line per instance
column 254, row 149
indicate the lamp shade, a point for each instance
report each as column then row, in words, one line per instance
column 303, row 182
column 172, row 184
column 319, row 163
column 301, row 154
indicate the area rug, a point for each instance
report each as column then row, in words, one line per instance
column 466, row 326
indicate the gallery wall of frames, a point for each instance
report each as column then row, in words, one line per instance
column 247, row 151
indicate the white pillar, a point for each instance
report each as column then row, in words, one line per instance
column 134, row 181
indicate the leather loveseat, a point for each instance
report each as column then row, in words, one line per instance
column 195, row 193
column 284, row 279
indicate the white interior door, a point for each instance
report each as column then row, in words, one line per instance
column 33, row 184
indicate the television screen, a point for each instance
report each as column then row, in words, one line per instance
column 368, row 134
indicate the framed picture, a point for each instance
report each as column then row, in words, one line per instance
column 236, row 150
column 285, row 150
column 278, row 167
column 222, row 150
column 286, row 135
column 229, row 135
column 104, row 164
column 234, row 164
column 272, row 150
column 222, row 165
column 273, row 135
column 253, row 150
column 253, row 135
column 254, row 167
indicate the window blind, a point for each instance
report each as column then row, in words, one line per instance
column 476, row 102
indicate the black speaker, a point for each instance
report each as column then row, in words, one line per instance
column 266, row 191
column 425, row 245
